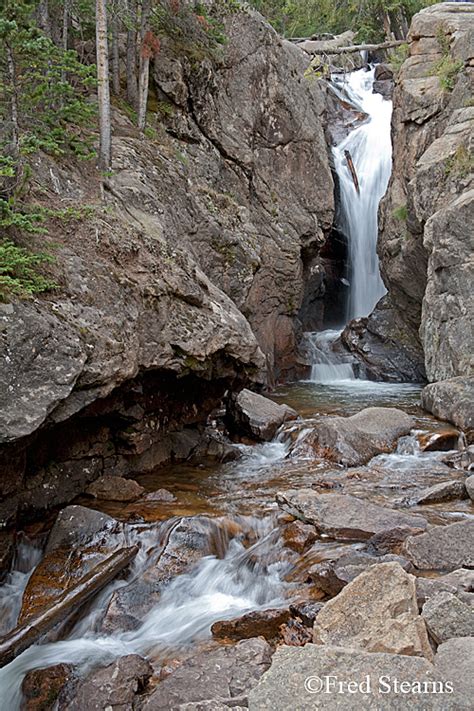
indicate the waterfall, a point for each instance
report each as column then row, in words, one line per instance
column 369, row 150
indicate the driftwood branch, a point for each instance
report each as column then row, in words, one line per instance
column 352, row 169
column 28, row 633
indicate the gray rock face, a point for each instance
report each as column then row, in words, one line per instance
column 344, row 517
column 446, row 616
column 426, row 218
column 219, row 674
column 77, row 524
column 454, row 661
column 352, row 441
column 115, row 686
column 299, row 677
column 443, row 547
column 258, row 416
column 469, row 483
column 451, row 400
column 377, row 612
column 203, row 225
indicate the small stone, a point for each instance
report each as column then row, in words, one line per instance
column 258, row 416
column 43, row 688
column 298, row 536
column 446, row 617
column 469, row 483
column 260, row 623
column 306, row 610
column 115, row 488
column 161, row 495
column 295, row 633
column 391, row 541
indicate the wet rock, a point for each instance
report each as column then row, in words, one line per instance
column 442, row 547
column 391, row 541
column 454, row 660
column 298, row 536
column 354, row 440
column 383, row 87
column 220, row 674
column 295, row 633
column 161, row 495
column 344, row 517
column 383, row 72
column 115, row 686
column 306, row 611
column 258, row 416
column 377, row 612
column 79, row 540
column 186, row 542
column 44, row 688
column 442, row 441
column 444, row 491
column 115, row 488
column 261, row 623
column 7, row 549
column 332, row 575
column 292, row 682
column 451, row 400
column 78, row 524
column 461, row 460
column 446, row 616
column 469, row 483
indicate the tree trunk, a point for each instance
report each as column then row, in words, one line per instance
column 103, row 91
column 144, row 71
column 13, row 99
column 43, row 18
column 132, row 82
column 28, row 633
column 115, row 57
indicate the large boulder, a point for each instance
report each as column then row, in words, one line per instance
column 377, row 612
column 354, row 440
column 337, row 679
column 454, row 661
column 258, row 416
column 217, row 675
column 443, row 547
column 344, row 517
column 446, row 616
column 451, row 400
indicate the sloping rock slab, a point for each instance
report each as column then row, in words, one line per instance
column 258, row 416
column 344, row 517
column 377, row 612
column 443, row 547
column 354, row 440
column 220, row 674
column 444, row 491
column 299, row 676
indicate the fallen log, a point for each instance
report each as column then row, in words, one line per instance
column 28, row 633
column 363, row 47
column 351, row 166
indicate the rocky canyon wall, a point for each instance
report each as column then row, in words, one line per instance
column 180, row 276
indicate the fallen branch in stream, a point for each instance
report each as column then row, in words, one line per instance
column 28, row 633
column 351, row 166
column 360, row 47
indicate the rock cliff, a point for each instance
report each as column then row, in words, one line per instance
column 427, row 216
column 181, row 275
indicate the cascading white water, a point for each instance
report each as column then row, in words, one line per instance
column 370, row 150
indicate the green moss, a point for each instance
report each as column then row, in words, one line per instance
column 400, row 213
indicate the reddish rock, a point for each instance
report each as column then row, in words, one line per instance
column 296, row 634
column 391, row 541
column 261, row 623
column 42, row 688
column 443, row 441
column 299, row 536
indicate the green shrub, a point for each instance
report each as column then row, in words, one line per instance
column 19, row 272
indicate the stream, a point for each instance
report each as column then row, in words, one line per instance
column 251, row 568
